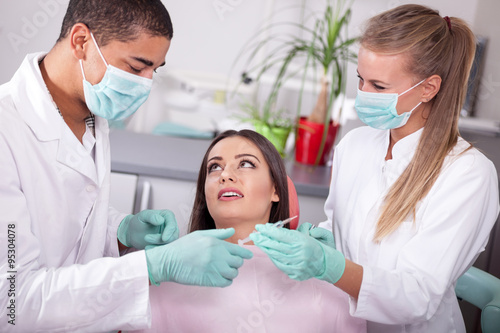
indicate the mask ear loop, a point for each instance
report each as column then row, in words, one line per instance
column 98, row 50
column 411, row 88
column 416, row 106
column 83, row 73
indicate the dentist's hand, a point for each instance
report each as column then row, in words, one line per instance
column 321, row 234
column 200, row 258
column 149, row 227
column 299, row 255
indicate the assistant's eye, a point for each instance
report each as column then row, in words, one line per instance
column 360, row 82
column 214, row 167
column 376, row 86
column 247, row 164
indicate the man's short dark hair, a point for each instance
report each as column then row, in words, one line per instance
column 121, row 20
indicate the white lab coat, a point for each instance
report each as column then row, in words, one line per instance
column 65, row 237
column 409, row 278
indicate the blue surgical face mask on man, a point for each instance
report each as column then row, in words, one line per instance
column 118, row 95
column 378, row 110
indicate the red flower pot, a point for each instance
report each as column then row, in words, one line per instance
column 309, row 136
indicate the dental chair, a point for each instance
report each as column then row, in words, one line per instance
column 293, row 199
column 482, row 290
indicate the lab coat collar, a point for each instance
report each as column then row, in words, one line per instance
column 33, row 101
column 402, row 154
column 405, row 148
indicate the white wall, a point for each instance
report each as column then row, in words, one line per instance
column 486, row 23
column 208, row 34
column 27, row 26
column 364, row 9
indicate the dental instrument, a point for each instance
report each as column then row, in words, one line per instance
column 279, row 224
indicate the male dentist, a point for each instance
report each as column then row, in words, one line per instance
column 59, row 258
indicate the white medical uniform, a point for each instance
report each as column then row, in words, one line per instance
column 409, row 277
column 57, row 197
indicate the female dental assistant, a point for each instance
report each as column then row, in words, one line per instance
column 60, row 265
column 411, row 203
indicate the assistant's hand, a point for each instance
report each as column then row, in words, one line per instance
column 299, row 255
column 200, row 258
column 321, row 234
column 148, row 227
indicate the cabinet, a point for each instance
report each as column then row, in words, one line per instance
column 175, row 195
column 312, row 209
column 132, row 193
column 123, row 191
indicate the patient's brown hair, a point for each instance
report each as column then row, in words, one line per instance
column 200, row 216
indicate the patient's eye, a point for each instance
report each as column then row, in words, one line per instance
column 214, row 167
column 247, row 164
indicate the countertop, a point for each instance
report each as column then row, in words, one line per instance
column 180, row 158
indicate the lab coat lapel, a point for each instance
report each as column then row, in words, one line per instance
column 73, row 154
column 35, row 105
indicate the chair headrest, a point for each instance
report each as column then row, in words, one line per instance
column 293, row 199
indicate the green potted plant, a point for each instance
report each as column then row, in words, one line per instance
column 272, row 123
column 322, row 49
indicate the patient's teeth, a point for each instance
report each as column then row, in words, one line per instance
column 231, row 194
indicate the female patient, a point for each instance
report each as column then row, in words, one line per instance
column 243, row 182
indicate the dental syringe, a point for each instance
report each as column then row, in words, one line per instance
column 279, row 224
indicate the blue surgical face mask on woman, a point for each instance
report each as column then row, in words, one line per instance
column 118, row 95
column 378, row 110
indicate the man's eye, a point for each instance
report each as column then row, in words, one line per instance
column 135, row 70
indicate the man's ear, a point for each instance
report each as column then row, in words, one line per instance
column 431, row 86
column 79, row 38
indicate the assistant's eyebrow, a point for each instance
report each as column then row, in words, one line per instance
column 377, row 82
column 147, row 62
column 244, row 155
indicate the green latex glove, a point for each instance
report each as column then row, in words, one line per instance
column 149, row 227
column 322, row 235
column 299, row 255
column 200, row 258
